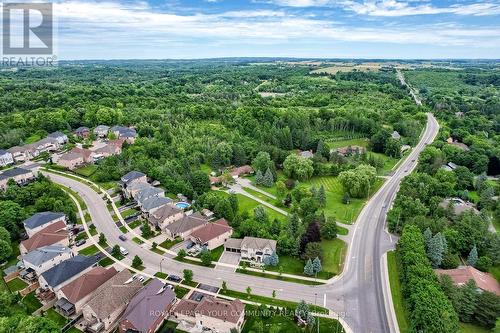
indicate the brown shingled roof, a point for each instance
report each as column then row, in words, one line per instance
column 461, row 275
column 211, row 230
column 88, row 282
column 47, row 236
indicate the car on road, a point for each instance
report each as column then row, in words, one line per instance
column 81, row 242
column 123, row 251
column 122, row 238
column 174, row 278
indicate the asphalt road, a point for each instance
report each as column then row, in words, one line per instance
column 356, row 295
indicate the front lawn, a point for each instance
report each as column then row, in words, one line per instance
column 180, row 292
column 402, row 314
column 16, row 285
column 134, row 224
column 81, row 235
column 247, row 204
column 130, row 212
column 106, row 262
column 86, row 171
column 89, row 250
column 277, row 277
column 215, row 253
column 167, row 244
column 32, row 303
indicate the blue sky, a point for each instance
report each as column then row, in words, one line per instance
column 126, row 29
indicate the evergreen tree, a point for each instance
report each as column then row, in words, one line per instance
column 308, row 268
column 302, row 310
column 322, row 196
column 293, row 224
column 268, row 180
column 136, row 262
column 260, row 214
column 466, row 301
column 259, row 178
column 472, row 258
column 427, row 238
column 316, row 265
column 274, row 259
column 346, row 199
column 436, row 250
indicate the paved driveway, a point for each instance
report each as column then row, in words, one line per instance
column 228, row 258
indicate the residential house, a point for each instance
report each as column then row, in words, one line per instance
column 67, row 271
column 122, row 132
column 457, row 144
column 461, row 275
column 131, row 178
column 405, row 148
column 6, row 158
column 39, row 221
column 109, row 301
column 306, row 153
column 165, row 215
column 47, row 145
column 458, row 205
column 18, row 153
column 251, row 248
column 241, row 171
column 211, row 314
column 151, row 205
column 82, row 132
column 71, row 160
column 53, row 234
column 46, row 257
column 59, row 136
column 349, row 150
column 101, row 131
column 207, row 213
column 19, row 175
column 185, row 226
column 132, row 190
column 148, row 193
column 450, row 166
column 147, row 310
column 395, row 135
column 73, row 296
column 113, row 147
column 212, row 235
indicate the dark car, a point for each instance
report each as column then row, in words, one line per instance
column 122, row 237
column 174, row 278
column 81, row 242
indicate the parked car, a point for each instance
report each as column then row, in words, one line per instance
column 122, row 237
column 81, row 242
column 138, row 277
column 123, row 251
column 174, row 278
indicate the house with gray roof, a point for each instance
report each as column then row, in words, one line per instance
column 47, row 144
column 6, row 158
column 101, row 131
column 39, row 221
column 150, row 205
column 395, row 135
column 67, row 271
column 165, row 215
column 184, row 226
column 19, row 175
column 126, row 133
column 109, row 301
column 148, row 193
column 46, row 257
column 131, row 178
column 82, row 132
column 59, row 136
column 458, row 206
column 147, row 310
column 251, row 248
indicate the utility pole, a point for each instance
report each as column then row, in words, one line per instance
column 160, row 264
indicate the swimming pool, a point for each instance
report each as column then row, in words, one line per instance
column 182, row 205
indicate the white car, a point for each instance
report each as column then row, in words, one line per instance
column 123, row 251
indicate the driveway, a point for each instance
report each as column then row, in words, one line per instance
column 228, row 258
column 181, row 245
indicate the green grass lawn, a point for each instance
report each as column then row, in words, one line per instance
column 106, row 262
column 341, row 230
column 130, row 212
column 402, row 314
column 74, row 330
column 81, row 235
column 16, row 285
column 137, row 240
column 180, row 292
column 157, row 250
column 167, row 244
column 32, row 303
column 123, row 229
column 86, row 171
column 334, row 193
column 248, row 204
column 362, row 142
column 277, row 277
column 32, row 139
column 89, row 250
column 265, row 197
column 161, row 275
column 495, row 271
column 206, row 168
column 471, row 328
column 55, row 317
column 134, row 224
column 215, row 253
column 334, row 252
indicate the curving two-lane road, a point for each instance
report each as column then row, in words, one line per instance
column 357, row 295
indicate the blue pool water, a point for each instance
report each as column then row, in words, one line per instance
column 182, row 205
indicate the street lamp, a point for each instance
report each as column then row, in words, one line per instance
column 160, row 264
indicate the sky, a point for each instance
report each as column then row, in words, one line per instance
column 391, row 29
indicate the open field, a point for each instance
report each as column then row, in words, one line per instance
column 369, row 67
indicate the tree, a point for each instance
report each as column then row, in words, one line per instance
column 136, row 262
column 274, row 294
column 484, row 263
column 11, row 215
column 313, row 250
column 274, row 259
column 431, row 159
column 115, row 251
column 393, row 148
column 154, row 245
column 346, row 199
column 311, row 235
column 466, row 301
column 436, row 249
column 427, row 238
column 259, row 177
column 188, row 275
column 200, row 182
column 146, row 231
column 357, row 182
column 262, row 162
column 329, row 229
column 221, row 155
column 260, row 214
column 321, row 196
column 302, row 310
column 298, row 167
column 206, row 257
column 233, row 201
column 472, row 258
column 465, row 178
column 317, row 265
column 308, row 268
column 487, row 309
column 268, row 180
column 281, row 190
column 182, row 253
column 224, row 209
column 4, row 234
column 249, row 291
column 224, row 286
column 102, row 239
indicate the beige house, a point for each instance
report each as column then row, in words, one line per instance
column 185, row 226
column 47, row 145
column 71, row 160
column 23, row 153
column 251, row 248
column 73, row 296
column 212, row 235
column 46, row 257
column 109, row 301
column 211, row 313
column 165, row 215
column 19, row 175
